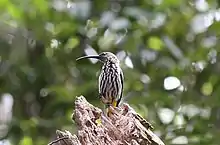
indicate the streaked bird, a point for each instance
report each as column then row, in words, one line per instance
column 110, row 79
column 127, row 108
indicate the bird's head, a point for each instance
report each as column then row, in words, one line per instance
column 108, row 57
column 104, row 57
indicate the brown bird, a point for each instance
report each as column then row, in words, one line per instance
column 111, row 79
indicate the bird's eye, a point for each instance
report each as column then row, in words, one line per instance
column 103, row 54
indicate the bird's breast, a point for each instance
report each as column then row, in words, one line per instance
column 109, row 84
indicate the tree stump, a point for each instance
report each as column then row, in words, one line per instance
column 120, row 128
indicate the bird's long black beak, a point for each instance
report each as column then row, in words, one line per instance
column 90, row 56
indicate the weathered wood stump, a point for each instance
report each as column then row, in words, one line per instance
column 118, row 129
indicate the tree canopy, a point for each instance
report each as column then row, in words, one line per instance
column 168, row 49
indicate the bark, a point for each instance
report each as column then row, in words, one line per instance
column 95, row 128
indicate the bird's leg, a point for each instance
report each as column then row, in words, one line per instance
column 114, row 103
column 108, row 110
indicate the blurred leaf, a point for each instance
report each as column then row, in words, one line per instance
column 42, row 6
column 106, row 43
column 207, row 89
column 14, row 11
column 170, row 3
column 65, row 28
column 49, row 52
column 26, row 141
column 71, row 43
column 155, row 43
column 215, row 26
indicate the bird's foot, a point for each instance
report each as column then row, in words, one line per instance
column 109, row 111
column 116, row 111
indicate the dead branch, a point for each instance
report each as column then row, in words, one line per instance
column 95, row 128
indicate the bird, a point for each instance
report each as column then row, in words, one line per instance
column 128, row 109
column 111, row 79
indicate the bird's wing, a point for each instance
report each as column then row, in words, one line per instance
column 100, row 83
column 122, row 86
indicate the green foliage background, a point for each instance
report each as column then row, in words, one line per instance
column 154, row 39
